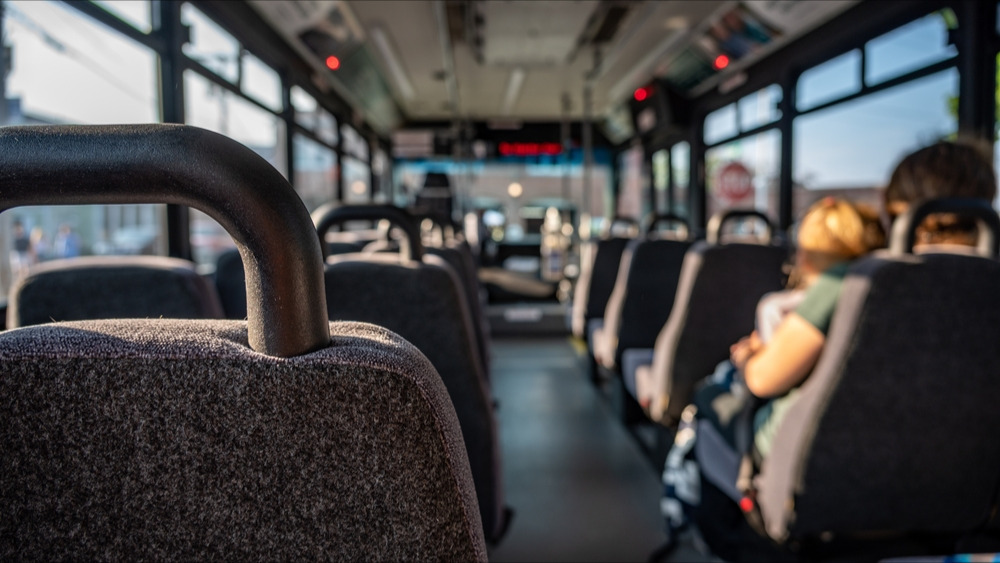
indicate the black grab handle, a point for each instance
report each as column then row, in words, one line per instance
column 714, row 228
column 327, row 216
column 654, row 219
column 92, row 164
column 904, row 228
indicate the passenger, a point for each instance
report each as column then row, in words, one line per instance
column 944, row 169
column 774, row 370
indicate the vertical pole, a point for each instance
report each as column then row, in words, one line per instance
column 288, row 116
column 977, row 69
column 697, row 195
column 3, row 69
column 588, row 164
column 785, row 127
column 671, row 189
column 339, row 176
column 564, row 139
column 167, row 14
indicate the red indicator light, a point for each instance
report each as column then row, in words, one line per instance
column 746, row 504
column 721, row 62
column 332, row 62
column 640, row 94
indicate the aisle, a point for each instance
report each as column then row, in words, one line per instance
column 579, row 485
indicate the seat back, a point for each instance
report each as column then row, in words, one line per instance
column 421, row 298
column 598, row 272
column 279, row 437
column 717, row 295
column 893, row 430
column 111, row 287
column 459, row 257
column 645, row 289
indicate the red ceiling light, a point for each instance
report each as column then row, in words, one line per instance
column 332, row 62
column 721, row 62
column 641, row 94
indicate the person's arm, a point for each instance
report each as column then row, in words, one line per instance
column 786, row 361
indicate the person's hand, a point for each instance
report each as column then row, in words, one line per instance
column 743, row 350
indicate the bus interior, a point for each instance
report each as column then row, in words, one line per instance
column 531, row 205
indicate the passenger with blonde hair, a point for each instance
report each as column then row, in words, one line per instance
column 832, row 234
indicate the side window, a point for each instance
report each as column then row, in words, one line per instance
column 66, row 68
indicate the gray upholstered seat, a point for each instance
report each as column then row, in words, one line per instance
column 597, row 280
column 164, row 439
column 714, row 307
column 642, row 298
column 421, row 298
column 458, row 256
column 894, row 430
column 111, row 287
column 282, row 437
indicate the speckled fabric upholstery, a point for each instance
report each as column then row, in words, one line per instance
column 715, row 306
column 422, row 303
column 643, row 296
column 170, row 440
column 597, row 280
column 895, row 429
column 111, row 287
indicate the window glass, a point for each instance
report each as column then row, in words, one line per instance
column 261, row 82
column 209, row 106
column 212, row 107
column 135, row 12
column 305, row 108
column 66, row 68
column 210, row 45
column 661, row 179
column 760, row 108
column 832, row 158
column 680, row 163
column 721, row 124
column 315, row 172
column 744, row 174
column 485, row 188
column 354, row 144
column 357, row 180
column 326, row 127
column 380, row 169
column 915, row 45
column 633, row 180
column 833, row 79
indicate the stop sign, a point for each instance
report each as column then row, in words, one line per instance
column 733, row 182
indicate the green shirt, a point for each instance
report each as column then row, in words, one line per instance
column 817, row 309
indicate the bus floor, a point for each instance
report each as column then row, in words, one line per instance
column 580, row 487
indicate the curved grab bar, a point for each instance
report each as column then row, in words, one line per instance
column 330, row 214
column 91, row 164
column 714, row 228
column 904, row 228
column 654, row 219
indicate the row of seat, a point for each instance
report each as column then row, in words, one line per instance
column 677, row 305
column 282, row 436
column 887, row 449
